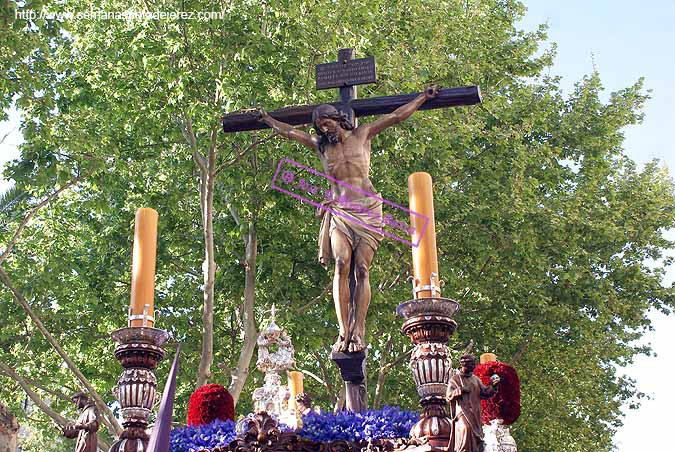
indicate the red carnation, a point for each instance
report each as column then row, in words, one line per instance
column 505, row 404
column 208, row 403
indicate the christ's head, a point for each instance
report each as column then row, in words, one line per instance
column 327, row 121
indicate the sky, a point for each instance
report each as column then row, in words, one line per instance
column 623, row 40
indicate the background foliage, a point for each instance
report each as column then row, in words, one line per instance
column 543, row 224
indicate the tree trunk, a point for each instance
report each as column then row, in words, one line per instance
column 248, row 318
column 9, row 430
column 381, row 375
column 107, row 416
column 341, row 401
column 209, row 272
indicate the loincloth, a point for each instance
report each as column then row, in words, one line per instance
column 367, row 210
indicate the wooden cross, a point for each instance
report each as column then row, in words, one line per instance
column 345, row 74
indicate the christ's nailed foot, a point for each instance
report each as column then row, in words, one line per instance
column 340, row 345
column 356, row 344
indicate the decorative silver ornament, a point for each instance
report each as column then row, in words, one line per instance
column 498, row 437
column 272, row 397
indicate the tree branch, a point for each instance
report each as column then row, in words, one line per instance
column 248, row 315
column 233, row 210
column 107, row 417
column 326, row 377
column 244, row 152
column 393, row 267
column 2, row 140
column 31, row 213
column 381, row 375
column 11, row 373
column 302, row 309
column 480, row 273
column 468, row 347
column 185, row 126
column 57, row 394
column 396, row 361
column 522, row 348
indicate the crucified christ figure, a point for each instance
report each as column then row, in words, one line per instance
column 344, row 151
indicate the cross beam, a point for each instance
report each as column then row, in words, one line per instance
column 447, row 97
column 345, row 74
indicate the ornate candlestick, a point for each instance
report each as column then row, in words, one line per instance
column 139, row 351
column 429, row 324
column 428, row 318
column 139, row 348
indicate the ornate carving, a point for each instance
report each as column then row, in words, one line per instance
column 431, row 368
column 262, row 428
column 139, row 351
column 429, row 324
column 262, row 434
column 425, row 307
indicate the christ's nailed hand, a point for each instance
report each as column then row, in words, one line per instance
column 431, row 91
column 260, row 114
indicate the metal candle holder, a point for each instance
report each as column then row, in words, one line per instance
column 139, row 350
column 145, row 317
column 428, row 323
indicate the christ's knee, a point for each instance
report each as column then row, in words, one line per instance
column 342, row 266
column 361, row 271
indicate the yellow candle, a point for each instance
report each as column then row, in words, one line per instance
column 143, row 268
column 425, row 260
column 295, row 383
column 487, row 358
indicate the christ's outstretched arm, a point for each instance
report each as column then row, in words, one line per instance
column 289, row 131
column 400, row 114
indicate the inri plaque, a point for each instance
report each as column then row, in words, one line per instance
column 345, row 73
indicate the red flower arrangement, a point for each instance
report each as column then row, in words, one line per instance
column 208, row 403
column 505, row 404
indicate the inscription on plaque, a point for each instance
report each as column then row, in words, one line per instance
column 345, row 73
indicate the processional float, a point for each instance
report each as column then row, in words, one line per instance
column 428, row 316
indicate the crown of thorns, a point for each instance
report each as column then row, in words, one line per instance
column 328, row 111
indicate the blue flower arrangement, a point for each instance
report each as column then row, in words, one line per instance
column 387, row 423
column 196, row 438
